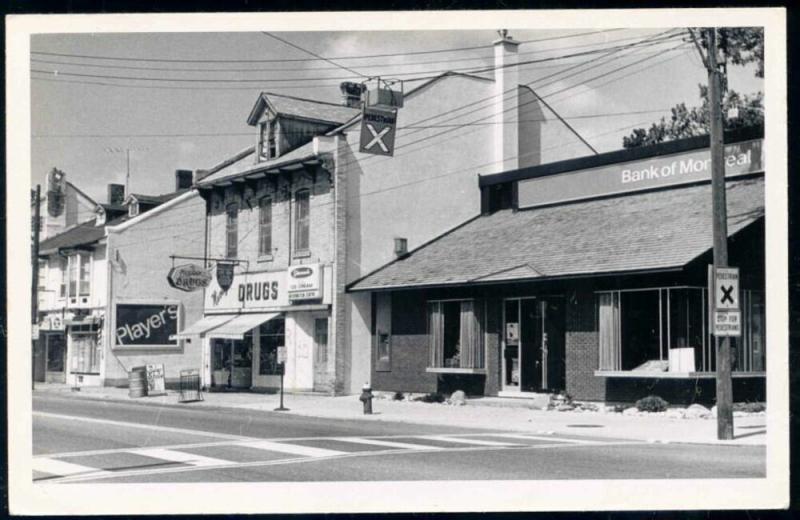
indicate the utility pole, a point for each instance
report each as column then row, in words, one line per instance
column 720, row 232
column 35, row 284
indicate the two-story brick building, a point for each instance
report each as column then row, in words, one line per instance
column 326, row 205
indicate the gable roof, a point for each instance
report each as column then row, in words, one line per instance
column 156, row 199
column 300, row 154
column 295, row 107
column 81, row 235
column 593, row 237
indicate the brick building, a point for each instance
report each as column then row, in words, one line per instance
column 587, row 276
column 360, row 208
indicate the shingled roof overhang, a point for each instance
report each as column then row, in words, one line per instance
column 644, row 232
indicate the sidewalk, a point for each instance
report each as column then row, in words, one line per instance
column 749, row 430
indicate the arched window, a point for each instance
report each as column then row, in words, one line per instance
column 301, row 220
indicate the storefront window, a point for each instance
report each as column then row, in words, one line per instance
column 321, row 339
column 657, row 330
column 301, row 222
column 55, row 352
column 271, row 336
column 455, row 334
column 86, row 349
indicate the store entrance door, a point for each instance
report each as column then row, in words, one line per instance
column 533, row 346
column 232, row 367
column 55, row 348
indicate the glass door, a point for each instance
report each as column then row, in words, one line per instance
column 531, row 367
column 511, row 350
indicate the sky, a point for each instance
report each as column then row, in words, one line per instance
column 88, row 110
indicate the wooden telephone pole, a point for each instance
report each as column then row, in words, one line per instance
column 720, row 231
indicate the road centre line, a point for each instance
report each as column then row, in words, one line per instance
column 120, row 474
column 386, row 444
column 478, row 442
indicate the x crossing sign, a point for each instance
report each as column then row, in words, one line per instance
column 377, row 131
column 726, row 292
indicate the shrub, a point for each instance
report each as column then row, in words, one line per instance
column 651, row 403
column 749, row 407
column 398, row 396
column 433, row 397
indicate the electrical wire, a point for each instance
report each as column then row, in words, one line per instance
column 365, row 56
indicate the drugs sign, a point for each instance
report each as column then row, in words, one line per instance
column 378, row 130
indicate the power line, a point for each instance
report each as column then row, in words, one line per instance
column 237, row 134
column 284, row 60
column 313, row 54
column 470, row 70
column 307, row 69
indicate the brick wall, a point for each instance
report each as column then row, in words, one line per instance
column 581, row 343
column 494, row 366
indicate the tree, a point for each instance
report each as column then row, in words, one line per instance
column 739, row 46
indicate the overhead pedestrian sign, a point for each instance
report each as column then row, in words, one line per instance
column 377, row 131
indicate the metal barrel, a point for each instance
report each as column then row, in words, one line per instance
column 137, row 382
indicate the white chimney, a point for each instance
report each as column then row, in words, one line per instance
column 506, row 88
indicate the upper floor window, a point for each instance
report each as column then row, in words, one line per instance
column 301, row 220
column 231, row 229
column 265, row 226
column 133, row 209
column 267, row 140
column 42, row 277
column 62, row 264
column 79, row 271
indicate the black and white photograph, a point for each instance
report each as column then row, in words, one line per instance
column 397, row 262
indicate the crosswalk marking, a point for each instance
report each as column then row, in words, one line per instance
column 180, row 456
column 387, row 444
column 466, row 440
column 63, row 469
column 294, row 449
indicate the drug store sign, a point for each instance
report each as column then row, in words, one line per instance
column 250, row 292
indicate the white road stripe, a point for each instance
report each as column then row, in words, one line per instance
column 180, row 456
column 294, row 449
column 63, row 469
column 544, row 438
column 387, row 444
column 151, row 427
column 466, row 440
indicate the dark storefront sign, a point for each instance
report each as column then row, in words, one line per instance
column 146, row 325
column 225, row 276
column 656, row 172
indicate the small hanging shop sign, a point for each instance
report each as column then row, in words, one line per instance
column 189, row 277
column 225, row 275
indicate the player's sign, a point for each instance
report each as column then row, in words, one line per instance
column 378, row 131
column 726, row 288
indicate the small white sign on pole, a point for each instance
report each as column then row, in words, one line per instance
column 281, row 354
column 728, row 323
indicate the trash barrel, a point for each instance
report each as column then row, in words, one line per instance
column 137, row 382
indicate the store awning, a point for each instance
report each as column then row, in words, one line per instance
column 648, row 231
column 204, row 325
column 237, row 327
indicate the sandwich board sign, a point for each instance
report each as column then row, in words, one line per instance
column 378, row 128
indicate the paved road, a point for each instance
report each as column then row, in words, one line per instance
column 87, row 440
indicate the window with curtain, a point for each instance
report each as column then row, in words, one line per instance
column 301, row 220
column 62, row 264
column 72, row 275
column 455, row 333
column 231, row 230
column 265, row 226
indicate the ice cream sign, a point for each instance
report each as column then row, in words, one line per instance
column 305, row 282
column 655, row 172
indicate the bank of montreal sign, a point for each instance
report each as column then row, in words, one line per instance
column 655, row 172
column 268, row 290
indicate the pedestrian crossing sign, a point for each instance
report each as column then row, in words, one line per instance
column 378, row 128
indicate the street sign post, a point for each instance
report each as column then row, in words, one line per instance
column 282, row 364
column 378, row 128
column 726, row 312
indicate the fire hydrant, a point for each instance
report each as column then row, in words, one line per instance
column 366, row 398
